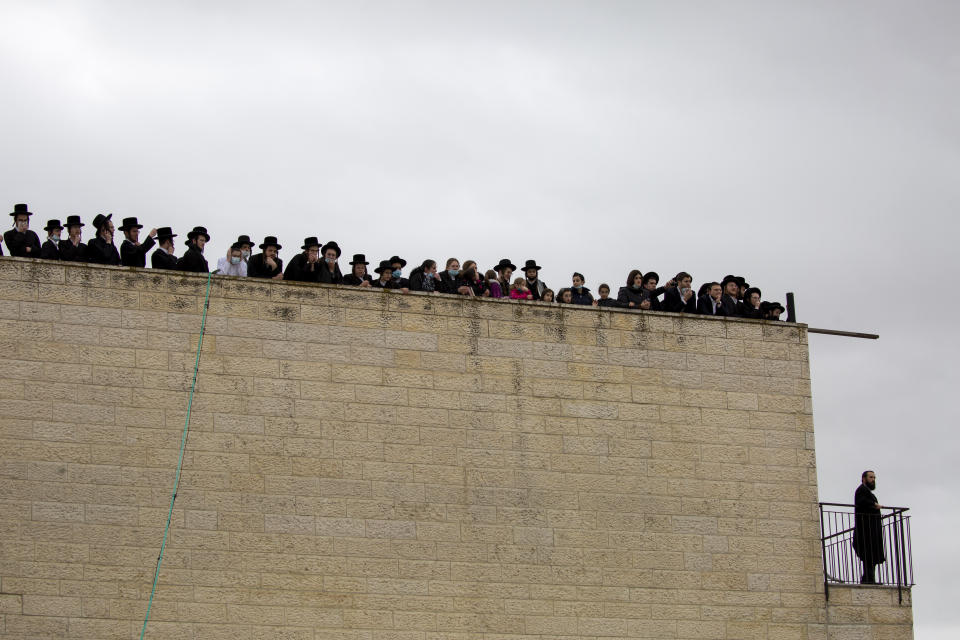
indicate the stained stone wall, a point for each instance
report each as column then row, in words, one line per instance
column 379, row 466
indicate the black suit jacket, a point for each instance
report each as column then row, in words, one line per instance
column 133, row 255
column 298, row 269
column 49, row 250
column 257, row 267
column 163, row 260
column 193, row 261
column 18, row 241
column 731, row 306
column 705, row 307
column 672, row 301
column 99, row 251
column 73, row 253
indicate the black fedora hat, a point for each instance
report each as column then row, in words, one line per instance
column 245, row 239
column 775, row 305
column 21, row 209
column 198, row 231
column 310, row 242
column 99, row 220
column 750, row 291
column 330, row 245
column 505, row 264
column 236, row 246
column 359, row 258
column 74, row 221
column 165, row 232
column 651, row 275
column 385, row 265
column 53, row 224
column 130, row 223
column 727, row 279
column 395, row 259
column 271, row 241
column 742, row 282
column 531, row 264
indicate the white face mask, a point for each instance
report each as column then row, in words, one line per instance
column 246, row 254
column 55, row 237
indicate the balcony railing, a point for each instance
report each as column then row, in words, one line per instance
column 853, row 543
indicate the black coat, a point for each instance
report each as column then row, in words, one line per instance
column 582, row 297
column 731, row 306
column 99, row 251
column 673, row 301
column 49, row 250
column 476, row 286
column 390, row 284
column 447, row 284
column 705, row 307
column 135, row 255
column 160, row 259
column 354, row 281
column 257, row 267
column 19, row 241
column 300, row 270
column 746, row 311
column 417, row 280
column 868, row 527
column 73, row 253
column 609, row 302
column 193, row 261
column 330, row 277
column 537, row 287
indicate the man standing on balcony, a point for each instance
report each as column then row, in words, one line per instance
column 867, row 530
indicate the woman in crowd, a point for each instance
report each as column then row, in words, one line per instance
column 424, row 277
column 471, row 279
column 358, row 276
column 631, row 296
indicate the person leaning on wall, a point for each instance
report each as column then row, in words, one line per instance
column 21, row 241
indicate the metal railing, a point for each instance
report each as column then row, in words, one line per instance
column 860, row 548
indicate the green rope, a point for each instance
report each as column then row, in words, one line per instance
column 183, row 445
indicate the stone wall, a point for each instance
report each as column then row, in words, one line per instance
column 378, row 466
column 869, row 613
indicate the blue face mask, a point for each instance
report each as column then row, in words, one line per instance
column 578, row 286
column 396, row 273
column 428, row 275
column 235, row 260
column 453, row 272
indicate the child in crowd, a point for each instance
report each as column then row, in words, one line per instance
column 605, row 299
column 493, row 284
column 519, row 290
column 547, row 296
column 566, row 296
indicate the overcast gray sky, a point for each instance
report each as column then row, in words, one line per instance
column 812, row 146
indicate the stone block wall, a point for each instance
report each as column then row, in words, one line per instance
column 370, row 465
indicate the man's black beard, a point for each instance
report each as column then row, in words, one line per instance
column 871, row 485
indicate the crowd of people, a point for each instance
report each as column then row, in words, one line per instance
column 319, row 262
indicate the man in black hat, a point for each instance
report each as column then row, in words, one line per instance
column 132, row 252
column 532, row 272
column 21, row 241
column 388, row 279
column 306, row 266
column 193, row 260
column 246, row 248
column 50, row 250
column 267, row 264
column 73, row 248
column 101, row 249
column 868, row 527
column 163, row 257
column 397, row 264
column 358, row 276
column 330, row 273
column 505, row 270
column 771, row 310
column 730, row 298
